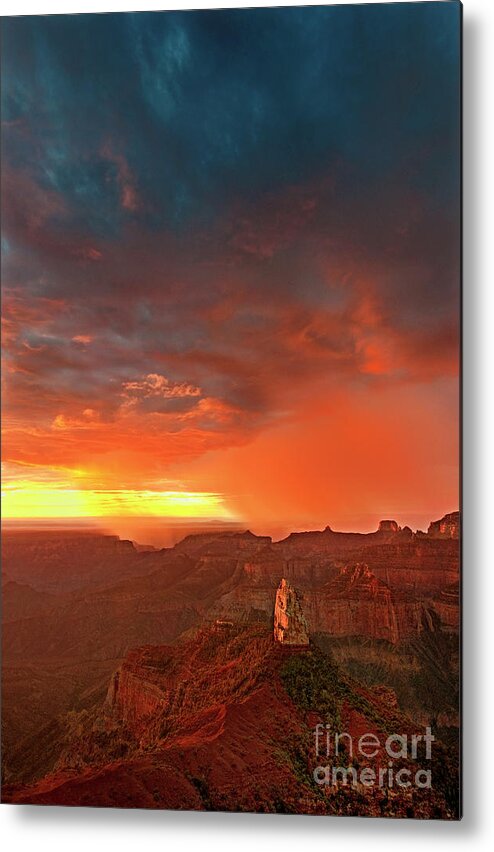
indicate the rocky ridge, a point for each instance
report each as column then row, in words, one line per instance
column 226, row 722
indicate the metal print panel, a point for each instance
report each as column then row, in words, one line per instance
column 231, row 274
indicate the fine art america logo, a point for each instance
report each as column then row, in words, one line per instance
column 396, row 749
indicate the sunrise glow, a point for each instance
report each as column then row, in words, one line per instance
column 77, row 503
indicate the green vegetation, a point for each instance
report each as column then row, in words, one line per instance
column 436, row 682
column 422, row 673
column 313, row 682
column 90, row 739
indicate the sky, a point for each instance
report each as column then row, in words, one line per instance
column 230, row 265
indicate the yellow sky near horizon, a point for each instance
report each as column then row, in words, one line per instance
column 43, row 502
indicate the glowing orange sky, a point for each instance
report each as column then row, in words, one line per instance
column 347, row 460
column 241, row 304
column 283, row 413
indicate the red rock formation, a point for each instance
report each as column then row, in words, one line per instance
column 353, row 603
column 68, row 561
column 76, row 604
column 132, row 697
column 447, row 527
column 290, row 626
column 388, row 526
column 234, row 739
column 219, row 576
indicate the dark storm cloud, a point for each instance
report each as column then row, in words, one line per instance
column 203, row 108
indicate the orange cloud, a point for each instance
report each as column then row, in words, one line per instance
column 296, row 358
column 156, row 385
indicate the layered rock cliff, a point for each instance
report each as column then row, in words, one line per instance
column 355, row 602
column 446, row 527
column 225, row 575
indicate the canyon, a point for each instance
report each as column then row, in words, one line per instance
column 94, row 622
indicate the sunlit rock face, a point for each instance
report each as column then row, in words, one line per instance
column 354, row 601
column 290, row 626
